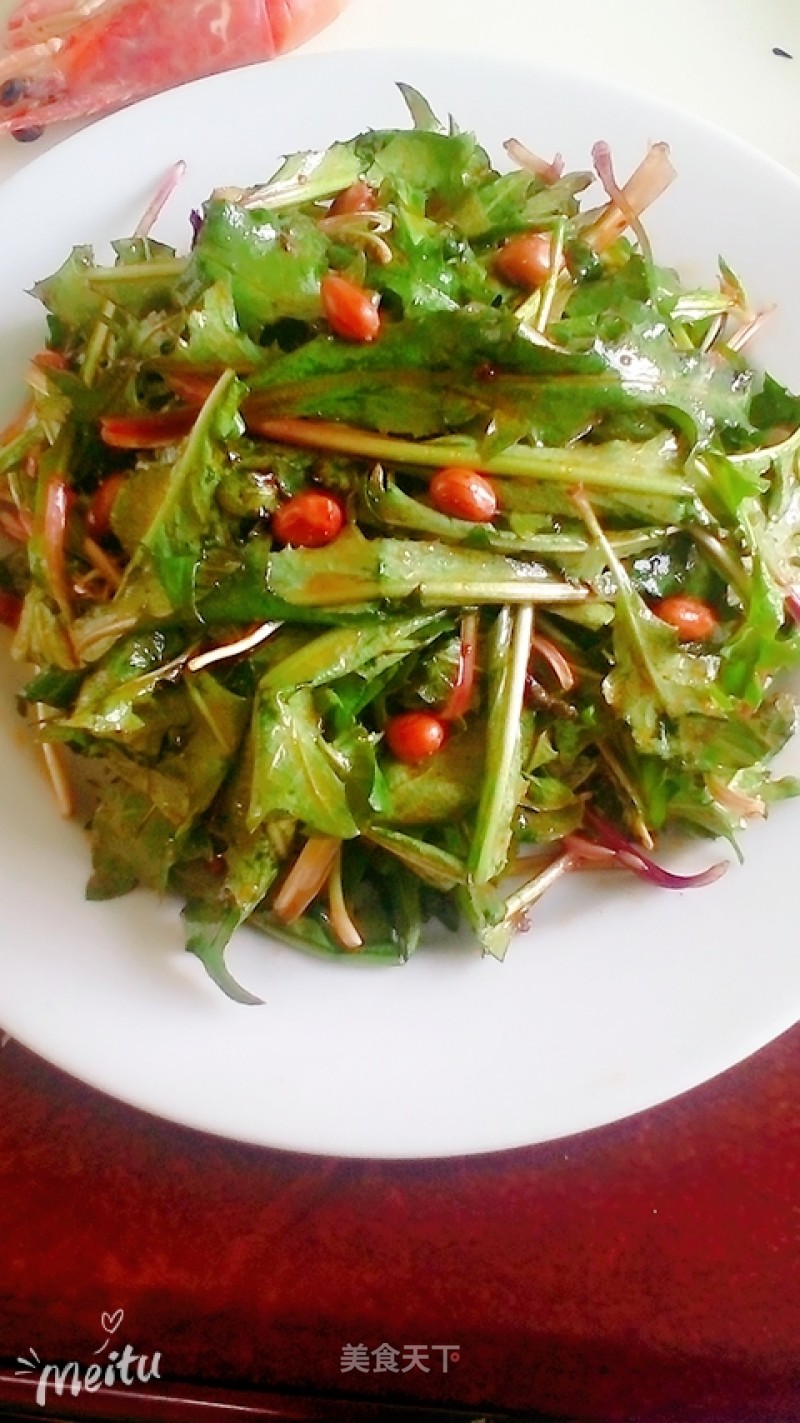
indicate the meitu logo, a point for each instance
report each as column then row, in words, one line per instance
column 120, row 1366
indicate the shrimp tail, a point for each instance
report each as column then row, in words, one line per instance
column 71, row 59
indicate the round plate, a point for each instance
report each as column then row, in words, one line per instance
column 619, row 996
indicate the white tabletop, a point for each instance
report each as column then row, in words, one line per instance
column 714, row 58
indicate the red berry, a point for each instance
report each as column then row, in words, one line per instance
column 310, row 519
column 414, row 736
column 98, row 519
column 693, row 619
column 464, row 494
column 351, row 312
column 525, row 261
column 10, row 609
column 359, row 197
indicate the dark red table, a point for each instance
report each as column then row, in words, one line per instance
column 647, row 1271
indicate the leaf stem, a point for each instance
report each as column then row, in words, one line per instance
column 493, row 827
column 168, row 268
column 529, row 590
column 533, row 889
column 587, row 465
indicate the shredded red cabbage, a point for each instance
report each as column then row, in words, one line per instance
column 636, row 860
column 793, row 603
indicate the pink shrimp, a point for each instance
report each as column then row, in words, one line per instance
column 68, row 59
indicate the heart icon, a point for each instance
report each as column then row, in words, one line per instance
column 111, row 1322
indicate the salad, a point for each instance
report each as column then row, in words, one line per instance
column 412, row 542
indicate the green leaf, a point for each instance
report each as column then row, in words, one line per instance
column 294, row 772
column 356, row 757
column 724, row 486
column 432, row 270
column 132, row 843
column 433, row 865
column 354, row 570
column 144, row 279
column 139, row 501
column 506, row 749
column 484, row 908
column 244, row 596
column 703, row 393
column 428, row 375
column 114, row 697
column 442, row 789
column 176, row 539
column 368, row 651
column 736, row 743
column 214, row 337
column 68, row 295
column 163, row 572
column 306, row 177
column 181, row 748
column 423, row 168
column 759, row 649
column 53, row 686
column 773, row 405
column 209, row 928
column 274, row 263
column 41, row 637
column 654, row 678
column 507, row 203
column 653, row 675
column 422, row 115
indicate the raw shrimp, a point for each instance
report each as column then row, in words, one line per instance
column 68, row 59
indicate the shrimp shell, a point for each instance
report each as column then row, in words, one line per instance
column 70, row 59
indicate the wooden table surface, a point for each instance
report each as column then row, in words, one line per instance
column 646, row 1271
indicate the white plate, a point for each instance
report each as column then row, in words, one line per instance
column 620, row 996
